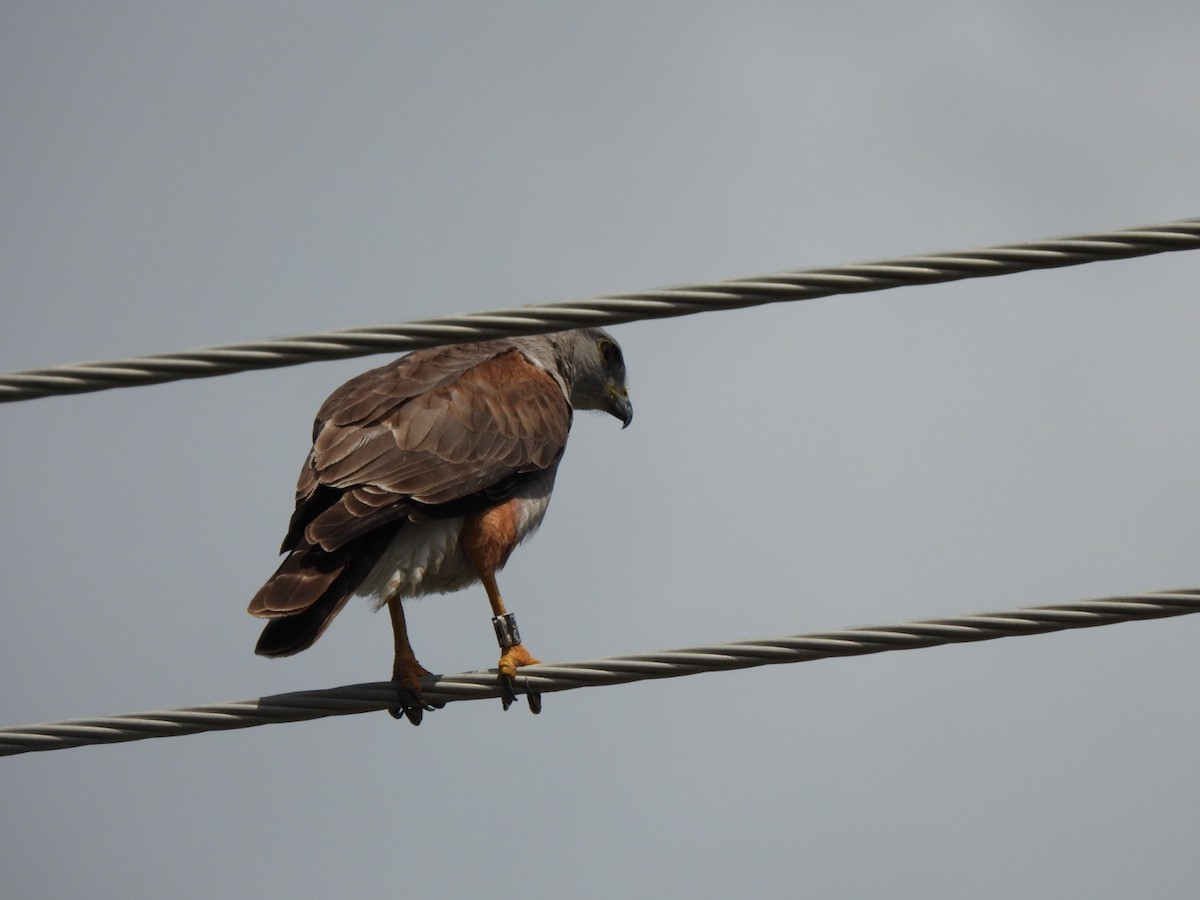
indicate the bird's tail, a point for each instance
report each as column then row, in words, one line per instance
column 291, row 634
column 309, row 589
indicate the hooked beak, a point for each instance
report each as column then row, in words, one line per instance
column 619, row 406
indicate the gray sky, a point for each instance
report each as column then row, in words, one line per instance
column 180, row 175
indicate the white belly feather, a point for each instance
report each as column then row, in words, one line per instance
column 426, row 557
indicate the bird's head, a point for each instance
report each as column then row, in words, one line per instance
column 597, row 376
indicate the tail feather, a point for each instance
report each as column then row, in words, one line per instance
column 310, row 588
column 291, row 634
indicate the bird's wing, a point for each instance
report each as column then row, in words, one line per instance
column 432, row 433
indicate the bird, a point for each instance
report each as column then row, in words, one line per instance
column 424, row 475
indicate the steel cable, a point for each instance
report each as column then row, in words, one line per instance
column 547, row 678
column 805, row 284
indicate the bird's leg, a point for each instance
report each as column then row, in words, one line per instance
column 513, row 653
column 488, row 538
column 406, row 671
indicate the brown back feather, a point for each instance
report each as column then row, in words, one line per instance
column 497, row 417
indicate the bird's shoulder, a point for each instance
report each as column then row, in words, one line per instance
column 425, row 398
column 477, row 372
column 435, row 426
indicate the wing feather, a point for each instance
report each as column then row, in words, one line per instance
column 428, row 431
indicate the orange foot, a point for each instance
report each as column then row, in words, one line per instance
column 406, row 675
column 512, row 659
column 515, row 657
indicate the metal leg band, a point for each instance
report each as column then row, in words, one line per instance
column 507, row 634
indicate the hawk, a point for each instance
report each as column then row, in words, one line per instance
column 423, row 477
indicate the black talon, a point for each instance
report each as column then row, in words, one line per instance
column 413, row 707
column 507, row 695
column 534, row 699
column 412, row 713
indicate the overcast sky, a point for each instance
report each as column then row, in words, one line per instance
column 176, row 175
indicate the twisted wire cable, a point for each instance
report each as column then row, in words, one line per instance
column 546, row 678
column 804, row 284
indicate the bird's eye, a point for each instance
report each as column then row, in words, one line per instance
column 608, row 352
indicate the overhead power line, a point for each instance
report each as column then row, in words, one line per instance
column 547, row 678
column 804, row 284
